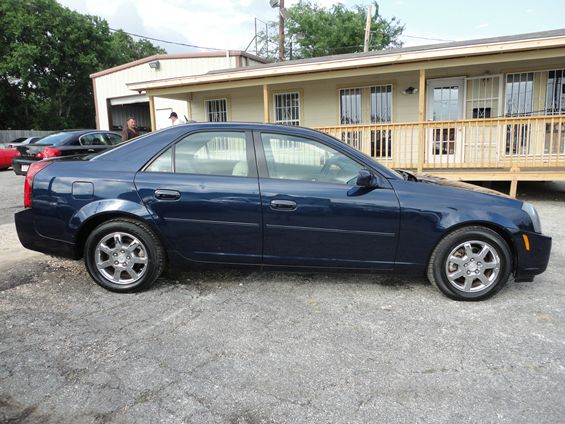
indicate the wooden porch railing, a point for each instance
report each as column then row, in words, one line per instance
column 524, row 142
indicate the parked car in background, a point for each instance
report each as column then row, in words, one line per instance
column 25, row 141
column 14, row 141
column 7, row 155
column 272, row 197
column 64, row 143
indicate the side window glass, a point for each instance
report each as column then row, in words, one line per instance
column 87, row 140
column 164, row 163
column 113, row 139
column 296, row 158
column 213, row 153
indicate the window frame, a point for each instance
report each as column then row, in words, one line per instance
column 249, row 153
column 215, row 99
column 300, row 107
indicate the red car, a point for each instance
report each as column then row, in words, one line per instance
column 6, row 157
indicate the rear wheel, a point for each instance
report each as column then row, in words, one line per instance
column 124, row 255
column 471, row 263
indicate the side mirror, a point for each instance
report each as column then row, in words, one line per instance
column 366, row 179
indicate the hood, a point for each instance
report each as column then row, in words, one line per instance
column 432, row 179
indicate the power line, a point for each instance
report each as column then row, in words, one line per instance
column 426, row 38
column 165, row 41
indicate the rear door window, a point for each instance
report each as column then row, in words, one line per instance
column 225, row 153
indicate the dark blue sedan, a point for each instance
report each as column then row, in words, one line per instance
column 272, row 197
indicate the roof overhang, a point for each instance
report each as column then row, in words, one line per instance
column 426, row 59
column 197, row 55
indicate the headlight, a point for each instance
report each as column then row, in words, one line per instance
column 531, row 211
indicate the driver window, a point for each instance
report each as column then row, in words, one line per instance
column 295, row 158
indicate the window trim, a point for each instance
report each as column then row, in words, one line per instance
column 211, row 99
column 300, row 93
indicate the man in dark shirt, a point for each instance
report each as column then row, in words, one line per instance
column 130, row 130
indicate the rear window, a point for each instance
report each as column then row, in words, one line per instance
column 57, row 138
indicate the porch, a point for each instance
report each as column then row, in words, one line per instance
column 489, row 149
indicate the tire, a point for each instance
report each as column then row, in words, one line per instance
column 471, row 263
column 124, row 255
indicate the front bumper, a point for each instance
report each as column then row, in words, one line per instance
column 20, row 166
column 31, row 239
column 534, row 261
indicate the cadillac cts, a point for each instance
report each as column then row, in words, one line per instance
column 272, row 197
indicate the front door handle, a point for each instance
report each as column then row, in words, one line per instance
column 285, row 205
column 163, row 194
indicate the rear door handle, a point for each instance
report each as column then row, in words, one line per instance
column 163, row 194
column 285, row 205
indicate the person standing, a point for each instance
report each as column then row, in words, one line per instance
column 130, row 130
column 175, row 119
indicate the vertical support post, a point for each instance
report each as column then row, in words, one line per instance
column 152, row 112
column 265, row 103
column 421, row 119
column 513, row 187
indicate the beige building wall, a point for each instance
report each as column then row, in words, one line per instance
column 113, row 85
column 320, row 98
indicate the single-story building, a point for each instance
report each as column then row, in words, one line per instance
column 478, row 110
column 115, row 103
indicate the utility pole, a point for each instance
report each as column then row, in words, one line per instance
column 281, row 30
column 367, row 30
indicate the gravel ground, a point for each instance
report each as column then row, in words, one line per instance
column 214, row 347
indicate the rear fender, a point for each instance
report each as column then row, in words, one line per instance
column 108, row 207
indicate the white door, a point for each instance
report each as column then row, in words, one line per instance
column 445, row 103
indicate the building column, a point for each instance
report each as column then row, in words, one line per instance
column 152, row 112
column 421, row 119
column 266, row 103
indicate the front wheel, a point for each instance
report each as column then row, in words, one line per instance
column 471, row 263
column 124, row 255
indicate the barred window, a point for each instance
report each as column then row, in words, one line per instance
column 381, row 103
column 350, row 106
column 287, row 108
column 520, row 94
column 217, row 110
column 555, row 93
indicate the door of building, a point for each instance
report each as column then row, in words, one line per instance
column 445, row 102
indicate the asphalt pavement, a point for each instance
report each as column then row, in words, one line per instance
column 249, row 347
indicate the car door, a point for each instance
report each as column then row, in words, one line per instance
column 313, row 213
column 203, row 193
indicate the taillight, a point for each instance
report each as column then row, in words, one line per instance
column 18, row 153
column 49, row 152
column 39, row 155
column 34, row 168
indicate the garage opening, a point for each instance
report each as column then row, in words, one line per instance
column 137, row 107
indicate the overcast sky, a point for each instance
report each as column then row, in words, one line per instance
column 229, row 24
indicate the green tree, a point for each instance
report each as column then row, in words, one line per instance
column 313, row 31
column 47, row 53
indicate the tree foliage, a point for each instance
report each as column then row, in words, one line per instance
column 47, row 53
column 313, row 31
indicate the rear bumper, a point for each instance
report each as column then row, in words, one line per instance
column 19, row 165
column 31, row 239
column 532, row 262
